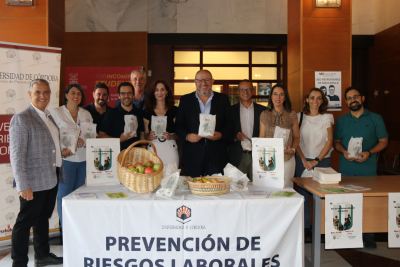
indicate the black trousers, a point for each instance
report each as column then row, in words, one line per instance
column 34, row 213
column 206, row 167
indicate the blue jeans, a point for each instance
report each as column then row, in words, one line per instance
column 324, row 163
column 76, row 174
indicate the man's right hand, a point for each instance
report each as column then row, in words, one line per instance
column 346, row 156
column 26, row 194
column 123, row 137
column 240, row 136
column 193, row 138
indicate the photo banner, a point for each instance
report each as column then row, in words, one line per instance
column 89, row 77
column 394, row 220
column 19, row 65
column 330, row 82
column 343, row 221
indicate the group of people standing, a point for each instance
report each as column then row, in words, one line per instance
column 43, row 171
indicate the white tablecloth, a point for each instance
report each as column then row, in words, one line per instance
column 149, row 230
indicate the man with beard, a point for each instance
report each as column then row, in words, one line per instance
column 99, row 106
column 113, row 122
column 360, row 122
column 138, row 79
column 204, row 155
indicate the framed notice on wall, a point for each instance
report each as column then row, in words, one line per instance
column 330, row 82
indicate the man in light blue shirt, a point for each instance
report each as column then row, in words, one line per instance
column 138, row 80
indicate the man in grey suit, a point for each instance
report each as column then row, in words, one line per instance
column 37, row 166
column 246, row 115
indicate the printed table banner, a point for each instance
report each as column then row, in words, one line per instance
column 343, row 221
column 19, row 65
column 186, row 230
column 268, row 168
column 394, row 220
column 101, row 161
column 89, row 77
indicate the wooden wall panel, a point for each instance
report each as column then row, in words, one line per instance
column 325, row 42
column 384, row 71
column 296, row 97
column 112, row 49
column 160, row 61
column 31, row 31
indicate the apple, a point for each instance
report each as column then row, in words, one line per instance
column 130, row 166
column 140, row 169
column 132, row 169
column 137, row 164
column 148, row 170
column 156, row 167
column 149, row 164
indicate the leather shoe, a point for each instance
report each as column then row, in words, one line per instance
column 50, row 259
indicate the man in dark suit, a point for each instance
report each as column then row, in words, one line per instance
column 246, row 115
column 204, row 155
column 37, row 166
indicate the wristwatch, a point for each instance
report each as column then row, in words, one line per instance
column 294, row 150
column 317, row 159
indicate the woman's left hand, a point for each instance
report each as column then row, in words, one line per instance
column 289, row 150
column 81, row 143
column 310, row 164
column 166, row 136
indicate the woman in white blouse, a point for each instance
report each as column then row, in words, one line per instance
column 316, row 139
column 71, row 116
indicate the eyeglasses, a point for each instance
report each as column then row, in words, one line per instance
column 352, row 97
column 245, row 90
column 126, row 93
column 203, row 80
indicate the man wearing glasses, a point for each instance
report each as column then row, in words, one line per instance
column 360, row 122
column 204, row 155
column 246, row 115
column 113, row 122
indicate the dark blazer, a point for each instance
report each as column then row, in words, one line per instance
column 188, row 121
column 32, row 154
column 235, row 147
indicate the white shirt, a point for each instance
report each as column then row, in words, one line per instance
column 53, row 131
column 247, row 119
column 314, row 134
column 63, row 118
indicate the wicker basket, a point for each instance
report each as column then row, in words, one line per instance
column 210, row 189
column 138, row 182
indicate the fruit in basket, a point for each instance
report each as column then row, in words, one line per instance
column 137, row 164
column 215, row 180
column 130, row 166
column 199, row 181
column 140, row 169
column 205, row 180
column 148, row 170
column 156, row 167
column 149, row 164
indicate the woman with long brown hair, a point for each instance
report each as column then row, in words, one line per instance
column 160, row 102
column 316, row 140
column 280, row 113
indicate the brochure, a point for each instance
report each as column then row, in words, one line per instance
column 85, row 196
column 116, row 195
column 283, row 194
column 258, row 194
column 334, row 189
column 354, row 187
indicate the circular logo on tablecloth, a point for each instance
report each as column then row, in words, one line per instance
column 183, row 213
column 10, row 216
column 9, row 181
column 10, row 199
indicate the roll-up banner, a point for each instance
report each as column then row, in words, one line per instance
column 19, row 65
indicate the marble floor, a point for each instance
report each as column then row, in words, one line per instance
column 381, row 256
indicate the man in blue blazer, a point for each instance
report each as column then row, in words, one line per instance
column 246, row 115
column 37, row 166
column 204, row 155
